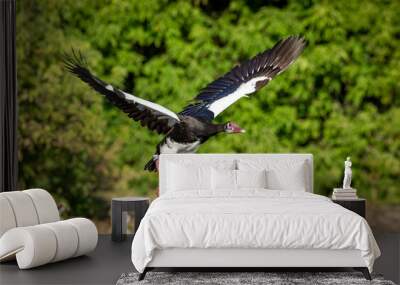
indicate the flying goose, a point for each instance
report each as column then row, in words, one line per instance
column 186, row 131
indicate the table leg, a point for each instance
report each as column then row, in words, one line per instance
column 116, row 221
column 140, row 211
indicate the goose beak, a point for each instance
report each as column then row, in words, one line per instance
column 237, row 129
column 232, row 128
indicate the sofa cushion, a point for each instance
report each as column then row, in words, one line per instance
column 23, row 208
column 45, row 205
column 7, row 220
column 26, row 208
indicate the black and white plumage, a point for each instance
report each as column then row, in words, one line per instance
column 244, row 79
column 186, row 131
column 151, row 115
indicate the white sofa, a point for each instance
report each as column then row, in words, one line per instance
column 31, row 230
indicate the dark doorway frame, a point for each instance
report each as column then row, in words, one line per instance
column 8, row 97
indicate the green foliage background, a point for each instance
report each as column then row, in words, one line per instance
column 340, row 98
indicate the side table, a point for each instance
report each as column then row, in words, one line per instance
column 119, row 209
column 355, row 205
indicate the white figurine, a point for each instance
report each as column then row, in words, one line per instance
column 347, row 174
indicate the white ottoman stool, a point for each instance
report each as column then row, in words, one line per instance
column 31, row 230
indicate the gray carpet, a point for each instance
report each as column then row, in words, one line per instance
column 243, row 278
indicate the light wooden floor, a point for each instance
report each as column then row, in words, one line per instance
column 110, row 260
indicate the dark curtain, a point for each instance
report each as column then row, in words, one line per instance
column 8, row 98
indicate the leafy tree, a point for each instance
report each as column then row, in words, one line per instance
column 62, row 144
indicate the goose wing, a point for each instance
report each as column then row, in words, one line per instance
column 151, row 115
column 244, row 79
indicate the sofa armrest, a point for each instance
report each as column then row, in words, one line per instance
column 40, row 244
column 32, row 246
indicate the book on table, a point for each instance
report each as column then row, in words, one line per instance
column 344, row 194
column 341, row 190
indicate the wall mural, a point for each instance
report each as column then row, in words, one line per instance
column 339, row 98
